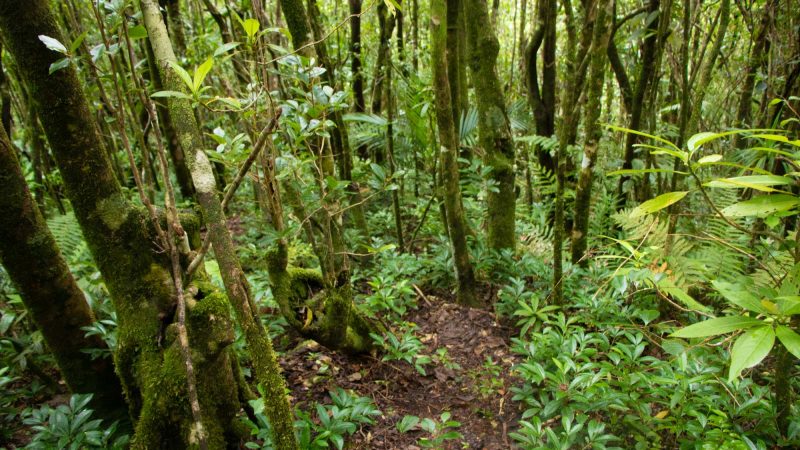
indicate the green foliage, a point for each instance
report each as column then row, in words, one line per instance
column 71, row 426
column 332, row 425
column 403, row 347
column 390, row 296
column 439, row 431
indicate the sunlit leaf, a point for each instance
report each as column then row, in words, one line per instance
column 717, row 326
column 53, row 44
column 200, row 74
column 757, row 182
column 658, row 203
column 183, row 74
column 789, row 339
column 762, row 206
column 750, row 349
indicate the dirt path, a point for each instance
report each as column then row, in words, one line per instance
column 476, row 391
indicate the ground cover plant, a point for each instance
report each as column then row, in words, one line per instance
column 440, row 224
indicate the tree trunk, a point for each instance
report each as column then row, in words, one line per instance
column 493, row 126
column 543, row 98
column 120, row 238
column 386, row 27
column 355, row 62
column 262, row 355
column 50, row 294
column 340, row 139
column 646, row 74
column 175, row 19
column 176, row 153
column 456, row 223
column 583, row 192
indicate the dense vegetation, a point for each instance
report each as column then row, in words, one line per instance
column 386, row 224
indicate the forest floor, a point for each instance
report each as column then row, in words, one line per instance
column 474, row 387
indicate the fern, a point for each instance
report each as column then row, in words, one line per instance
column 68, row 235
column 544, row 181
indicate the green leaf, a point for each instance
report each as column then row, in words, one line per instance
column 392, row 5
column 658, row 203
column 58, row 65
column 373, row 119
column 225, row 48
column 739, row 296
column 710, row 159
column 174, row 94
column 137, row 32
column 750, row 349
column 200, row 74
column 682, row 296
column 53, row 44
column 183, row 74
column 699, row 139
column 77, row 42
column 251, row 27
column 719, row 325
column 232, row 102
column 407, row 423
column 757, row 182
column 642, row 171
column 762, row 206
column 789, row 339
column 777, row 138
column 788, row 305
column 639, row 133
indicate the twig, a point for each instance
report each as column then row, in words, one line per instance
column 174, row 229
column 421, row 294
column 260, row 144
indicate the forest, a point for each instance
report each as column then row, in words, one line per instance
column 399, row 224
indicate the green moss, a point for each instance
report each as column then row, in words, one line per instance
column 113, row 211
column 165, row 402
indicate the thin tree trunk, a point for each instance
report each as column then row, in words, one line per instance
column 493, row 126
column 386, row 25
column 263, row 357
column 456, row 223
column 50, row 293
column 646, row 74
column 120, row 238
column 583, row 191
column 543, row 98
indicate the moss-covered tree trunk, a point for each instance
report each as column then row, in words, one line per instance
column 449, row 153
column 759, row 54
column 328, row 295
column 176, row 153
column 386, row 23
column 340, row 139
column 583, row 191
column 542, row 95
column 493, row 125
column 265, row 363
column 646, row 74
column 50, row 294
column 120, row 237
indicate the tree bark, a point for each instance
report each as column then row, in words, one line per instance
column 493, row 126
column 583, row 190
column 50, row 293
column 448, row 139
column 543, row 98
column 120, row 238
column 646, row 74
column 386, row 25
column 263, row 357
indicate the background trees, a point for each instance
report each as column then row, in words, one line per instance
column 312, row 143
